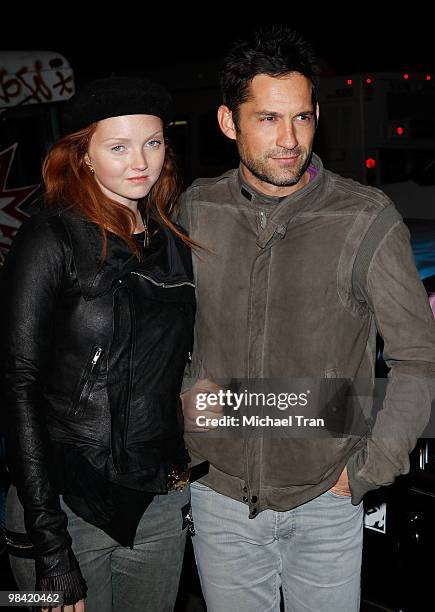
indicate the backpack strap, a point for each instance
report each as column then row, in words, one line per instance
column 383, row 222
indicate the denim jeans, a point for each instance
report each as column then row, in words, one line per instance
column 142, row 579
column 313, row 552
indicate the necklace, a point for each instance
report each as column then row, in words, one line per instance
column 146, row 239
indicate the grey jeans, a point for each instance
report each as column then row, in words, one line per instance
column 142, row 579
column 313, row 552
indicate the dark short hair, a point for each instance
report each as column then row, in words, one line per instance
column 272, row 50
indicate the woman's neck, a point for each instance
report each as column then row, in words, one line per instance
column 139, row 225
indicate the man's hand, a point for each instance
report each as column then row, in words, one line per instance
column 341, row 487
column 191, row 411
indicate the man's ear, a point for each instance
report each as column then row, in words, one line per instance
column 226, row 123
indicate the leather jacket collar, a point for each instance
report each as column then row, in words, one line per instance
column 162, row 262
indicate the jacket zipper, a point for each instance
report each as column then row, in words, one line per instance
column 88, row 382
column 16, row 544
column 96, row 357
column 165, row 285
column 263, row 219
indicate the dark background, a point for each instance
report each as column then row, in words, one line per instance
column 133, row 37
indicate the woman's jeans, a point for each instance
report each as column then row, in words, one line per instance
column 142, row 579
column 312, row 552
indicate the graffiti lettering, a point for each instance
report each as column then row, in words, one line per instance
column 35, row 85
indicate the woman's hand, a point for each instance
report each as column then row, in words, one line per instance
column 79, row 606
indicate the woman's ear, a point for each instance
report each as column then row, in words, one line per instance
column 88, row 162
column 226, row 123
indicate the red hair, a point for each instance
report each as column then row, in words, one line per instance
column 67, row 179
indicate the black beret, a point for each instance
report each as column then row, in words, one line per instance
column 114, row 97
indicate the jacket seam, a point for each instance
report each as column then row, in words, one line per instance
column 376, row 251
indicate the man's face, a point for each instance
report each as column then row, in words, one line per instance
column 275, row 133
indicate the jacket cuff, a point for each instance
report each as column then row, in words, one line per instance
column 60, row 572
column 358, row 486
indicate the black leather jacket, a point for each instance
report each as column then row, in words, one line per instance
column 91, row 363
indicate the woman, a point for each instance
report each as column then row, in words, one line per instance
column 97, row 314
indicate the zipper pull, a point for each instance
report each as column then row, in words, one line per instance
column 96, row 357
column 263, row 220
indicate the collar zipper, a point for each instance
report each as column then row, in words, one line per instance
column 263, row 219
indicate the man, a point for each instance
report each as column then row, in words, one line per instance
column 281, row 295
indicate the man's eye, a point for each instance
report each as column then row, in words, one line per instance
column 268, row 118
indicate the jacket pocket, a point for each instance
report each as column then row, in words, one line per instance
column 87, row 381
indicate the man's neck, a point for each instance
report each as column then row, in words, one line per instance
column 274, row 190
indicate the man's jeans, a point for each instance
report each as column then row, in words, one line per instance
column 142, row 579
column 313, row 552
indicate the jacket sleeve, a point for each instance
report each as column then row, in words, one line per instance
column 404, row 319
column 30, row 283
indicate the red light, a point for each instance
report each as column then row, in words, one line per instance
column 369, row 81
column 400, row 130
column 370, row 163
column 428, row 77
column 349, row 81
column 406, row 76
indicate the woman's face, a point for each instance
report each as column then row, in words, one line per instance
column 127, row 155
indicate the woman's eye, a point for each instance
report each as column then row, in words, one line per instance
column 154, row 143
column 118, row 148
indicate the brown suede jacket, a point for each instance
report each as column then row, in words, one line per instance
column 275, row 300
